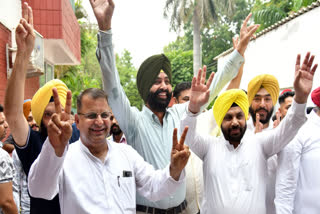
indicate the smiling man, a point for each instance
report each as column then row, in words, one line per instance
column 116, row 170
column 235, row 175
column 149, row 131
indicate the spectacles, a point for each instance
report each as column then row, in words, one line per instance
column 93, row 116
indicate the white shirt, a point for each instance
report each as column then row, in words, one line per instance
column 235, row 179
column 272, row 171
column 87, row 185
column 298, row 178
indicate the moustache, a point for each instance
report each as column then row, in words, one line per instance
column 160, row 91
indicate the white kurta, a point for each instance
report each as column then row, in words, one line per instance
column 272, row 171
column 298, row 178
column 87, row 185
column 235, row 179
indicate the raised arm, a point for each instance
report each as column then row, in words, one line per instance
column 233, row 64
column 118, row 101
column 235, row 82
column 198, row 97
column 275, row 140
column 44, row 174
column 25, row 38
column 156, row 185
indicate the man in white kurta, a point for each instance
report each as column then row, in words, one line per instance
column 94, row 175
column 235, row 164
column 263, row 93
column 298, row 177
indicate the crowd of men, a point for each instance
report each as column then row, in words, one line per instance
column 113, row 158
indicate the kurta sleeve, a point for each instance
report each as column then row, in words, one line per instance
column 287, row 176
column 275, row 140
column 229, row 71
column 118, row 101
column 199, row 144
column 43, row 179
column 153, row 184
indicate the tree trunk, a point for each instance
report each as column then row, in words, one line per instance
column 196, row 43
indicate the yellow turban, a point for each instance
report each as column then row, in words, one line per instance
column 26, row 108
column 267, row 81
column 42, row 97
column 225, row 101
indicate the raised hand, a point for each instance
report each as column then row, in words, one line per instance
column 245, row 34
column 259, row 125
column 303, row 78
column 59, row 128
column 25, row 36
column 179, row 154
column 199, row 90
column 103, row 11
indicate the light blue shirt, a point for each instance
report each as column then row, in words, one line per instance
column 144, row 132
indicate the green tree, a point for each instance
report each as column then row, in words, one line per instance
column 268, row 13
column 128, row 73
column 181, row 65
column 201, row 13
column 87, row 74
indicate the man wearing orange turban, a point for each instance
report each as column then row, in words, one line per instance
column 28, row 115
column 28, row 143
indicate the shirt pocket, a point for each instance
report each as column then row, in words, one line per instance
column 125, row 188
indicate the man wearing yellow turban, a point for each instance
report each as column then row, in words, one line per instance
column 235, row 164
column 28, row 143
column 263, row 93
column 150, row 131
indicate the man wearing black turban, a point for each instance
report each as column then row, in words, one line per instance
column 150, row 131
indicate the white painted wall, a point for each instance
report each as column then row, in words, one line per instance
column 10, row 14
column 275, row 52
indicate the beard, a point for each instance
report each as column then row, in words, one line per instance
column 156, row 103
column 234, row 137
column 115, row 130
column 254, row 112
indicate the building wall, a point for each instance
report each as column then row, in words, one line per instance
column 5, row 38
column 275, row 52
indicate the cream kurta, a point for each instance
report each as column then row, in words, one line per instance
column 235, row 179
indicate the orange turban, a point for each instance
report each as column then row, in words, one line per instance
column 26, row 108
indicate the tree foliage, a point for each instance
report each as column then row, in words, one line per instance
column 268, row 13
column 128, row 73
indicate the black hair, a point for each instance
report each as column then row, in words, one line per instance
column 286, row 94
column 1, row 108
column 94, row 93
column 181, row 87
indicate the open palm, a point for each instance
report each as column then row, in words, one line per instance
column 199, row 90
column 103, row 11
column 304, row 77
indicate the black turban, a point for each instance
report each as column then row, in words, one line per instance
column 149, row 71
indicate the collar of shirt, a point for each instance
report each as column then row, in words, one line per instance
column 150, row 114
column 87, row 152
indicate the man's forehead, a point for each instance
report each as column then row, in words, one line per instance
column 234, row 110
column 162, row 75
column 262, row 92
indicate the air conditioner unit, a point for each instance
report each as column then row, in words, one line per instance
column 36, row 61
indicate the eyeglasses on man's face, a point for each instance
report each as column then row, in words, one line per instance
column 93, row 115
